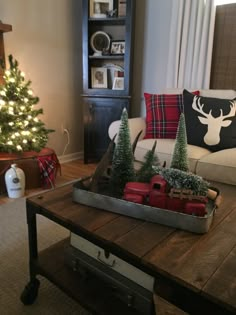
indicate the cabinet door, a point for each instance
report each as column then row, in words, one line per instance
column 99, row 113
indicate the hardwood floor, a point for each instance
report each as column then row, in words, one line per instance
column 69, row 171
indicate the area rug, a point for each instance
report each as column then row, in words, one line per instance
column 14, row 271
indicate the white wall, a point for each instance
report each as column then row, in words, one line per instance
column 46, row 40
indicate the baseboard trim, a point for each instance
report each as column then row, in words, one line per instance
column 71, row 157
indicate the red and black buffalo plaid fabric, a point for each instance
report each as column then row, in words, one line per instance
column 49, row 166
column 162, row 115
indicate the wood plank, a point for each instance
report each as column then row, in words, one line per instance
column 117, row 228
column 58, row 203
column 222, row 285
column 91, row 218
column 143, row 238
column 165, row 308
column 52, row 196
column 228, row 202
column 169, row 257
column 192, row 259
column 76, row 169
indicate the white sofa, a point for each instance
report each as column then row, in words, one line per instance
column 214, row 166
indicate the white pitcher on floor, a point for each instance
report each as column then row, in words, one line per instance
column 15, row 182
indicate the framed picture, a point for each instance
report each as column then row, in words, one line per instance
column 121, row 8
column 118, row 83
column 99, row 77
column 117, row 47
column 100, row 8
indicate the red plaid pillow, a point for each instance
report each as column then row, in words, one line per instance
column 162, row 114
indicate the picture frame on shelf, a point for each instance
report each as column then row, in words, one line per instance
column 113, row 70
column 122, row 8
column 118, row 73
column 100, row 8
column 117, row 47
column 100, row 43
column 99, row 77
column 118, row 83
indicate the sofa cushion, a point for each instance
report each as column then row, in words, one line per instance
column 162, row 115
column 219, row 166
column 164, row 150
column 210, row 122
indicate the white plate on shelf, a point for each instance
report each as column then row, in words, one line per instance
column 99, row 42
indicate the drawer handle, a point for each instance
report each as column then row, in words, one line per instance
column 111, row 265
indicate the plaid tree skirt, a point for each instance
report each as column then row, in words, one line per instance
column 49, row 166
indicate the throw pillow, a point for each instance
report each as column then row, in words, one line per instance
column 162, row 114
column 210, row 122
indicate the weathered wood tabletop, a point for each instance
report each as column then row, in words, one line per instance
column 195, row 272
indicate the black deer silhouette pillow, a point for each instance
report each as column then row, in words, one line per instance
column 210, row 122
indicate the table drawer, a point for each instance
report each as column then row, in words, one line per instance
column 112, row 261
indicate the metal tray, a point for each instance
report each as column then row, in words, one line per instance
column 174, row 219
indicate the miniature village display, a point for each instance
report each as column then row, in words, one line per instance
column 171, row 196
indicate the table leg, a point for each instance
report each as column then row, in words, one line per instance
column 30, row 291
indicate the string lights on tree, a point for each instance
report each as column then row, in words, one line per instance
column 20, row 128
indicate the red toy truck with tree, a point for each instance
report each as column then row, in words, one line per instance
column 158, row 194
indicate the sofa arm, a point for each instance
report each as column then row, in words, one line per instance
column 135, row 126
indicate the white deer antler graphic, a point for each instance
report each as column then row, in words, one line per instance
column 212, row 137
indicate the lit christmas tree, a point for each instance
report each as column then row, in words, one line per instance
column 180, row 155
column 20, row 128
column 123, row 160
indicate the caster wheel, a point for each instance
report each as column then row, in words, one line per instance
column 30, row 292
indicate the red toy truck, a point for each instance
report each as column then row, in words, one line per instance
column 157, row 194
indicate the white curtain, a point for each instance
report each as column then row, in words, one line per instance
column 191, row 43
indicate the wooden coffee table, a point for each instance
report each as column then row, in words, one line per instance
column 195, row 272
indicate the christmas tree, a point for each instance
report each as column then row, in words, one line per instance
column 180, row 155
column 20, row 127
column 122, row 170
column 146, row 172
column 183, row 180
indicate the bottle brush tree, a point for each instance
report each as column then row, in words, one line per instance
column 20, row 127
column 146, row 171
column 122, row 170
column 180, row 154
column 185, row 180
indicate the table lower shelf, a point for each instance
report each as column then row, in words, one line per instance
column 91, row 293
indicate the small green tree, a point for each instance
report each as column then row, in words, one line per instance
column 146, row 172
column 183, row 180
column 20, row 127
column 180, row 155
column 122, row 170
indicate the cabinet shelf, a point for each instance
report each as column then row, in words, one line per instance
column 111, row 57
column 115, row 20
